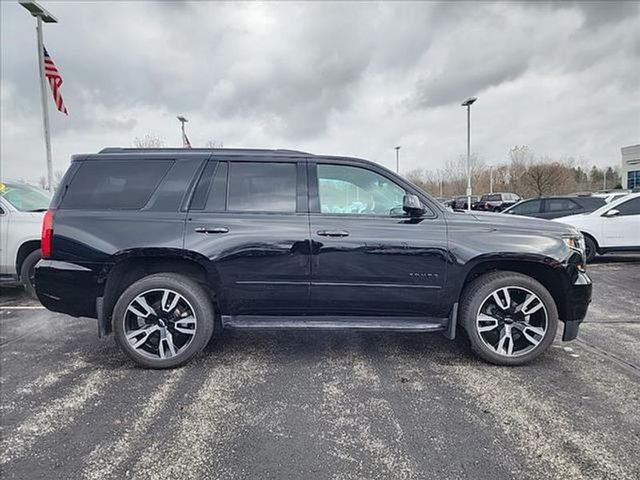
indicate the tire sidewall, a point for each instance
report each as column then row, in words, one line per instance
column 193, row 292
column 27, row 266
column 591, row 249
column 481, row 289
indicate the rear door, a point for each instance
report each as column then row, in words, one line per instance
column 249, row 217
column 368, row 257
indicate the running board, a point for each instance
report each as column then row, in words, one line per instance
column 404, row 324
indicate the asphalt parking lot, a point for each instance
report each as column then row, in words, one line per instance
column 324, row 405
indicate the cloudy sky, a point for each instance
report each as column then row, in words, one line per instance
column 339, row 78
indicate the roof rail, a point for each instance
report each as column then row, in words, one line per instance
column 187, row 150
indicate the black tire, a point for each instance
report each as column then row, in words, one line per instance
column 591, row 249
column 192, row 292
column 479, row 290
column 27, row 272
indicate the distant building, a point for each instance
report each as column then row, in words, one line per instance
column 630, row 166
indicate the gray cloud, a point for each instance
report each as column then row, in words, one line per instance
column 352, row 78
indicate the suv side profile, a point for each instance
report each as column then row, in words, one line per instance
column 555, row 207
column 166, row 247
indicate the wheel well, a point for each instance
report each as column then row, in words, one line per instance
column 550, row 278
column 128, row 271
column 24, row 251
column 592, row 238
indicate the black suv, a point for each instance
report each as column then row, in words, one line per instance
column 167, row 247
column 555, row 207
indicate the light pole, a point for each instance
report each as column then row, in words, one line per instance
column 490, row 178
column 467, row 103
column 397, row 159
column 43, row 16
column 185, row 140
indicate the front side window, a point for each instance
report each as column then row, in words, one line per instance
column 526, row 208
column 262, row 187
column 357, row 191
column 630, row 207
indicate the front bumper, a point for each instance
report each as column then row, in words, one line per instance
column 577, row 302
column 68, row 288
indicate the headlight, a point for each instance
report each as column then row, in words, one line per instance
column 576, row 243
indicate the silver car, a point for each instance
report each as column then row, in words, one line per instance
column 21, row 210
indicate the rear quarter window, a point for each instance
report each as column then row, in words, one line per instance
column 114, row 184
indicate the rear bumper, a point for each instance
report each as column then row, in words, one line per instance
column 577, row 303
column 68, row 288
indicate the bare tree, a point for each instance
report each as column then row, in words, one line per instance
column 148, row 140
column 214, row 144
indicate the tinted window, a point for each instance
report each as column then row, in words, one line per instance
column 526, row 207
column 217, row 200
column 630, row 207
column 561, row 205
column 114, row 184
column 357, row 191
column 199, row 198
column 262, row 187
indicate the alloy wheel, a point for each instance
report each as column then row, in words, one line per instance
column 512, row 321
column 160, row 323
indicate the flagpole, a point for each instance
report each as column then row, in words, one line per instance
column 45, row 110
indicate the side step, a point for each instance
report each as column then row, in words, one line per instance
column 405, row 324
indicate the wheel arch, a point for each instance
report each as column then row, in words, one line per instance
column 592, row 237
column 132, row 265
column 25, row 249
column 553, row 279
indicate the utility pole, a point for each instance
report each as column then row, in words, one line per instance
column 605, row 179
column 43, row 16
column 490, row 178
column 397, row 159
column 467, row 103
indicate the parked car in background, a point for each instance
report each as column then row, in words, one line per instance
column 21, row 210
column 555, row 207
column 614, row 227
column 460, row 203
column 167, row 247
column 496, row 202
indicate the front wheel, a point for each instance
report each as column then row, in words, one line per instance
column 590, row 248
column 163, row 320
column 509, row 318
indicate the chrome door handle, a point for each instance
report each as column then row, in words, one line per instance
column 333, row 233
column 212, row 229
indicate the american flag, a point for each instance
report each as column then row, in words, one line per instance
column 55, row 81
column 185, row 140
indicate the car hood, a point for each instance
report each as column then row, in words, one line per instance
column 501, row 221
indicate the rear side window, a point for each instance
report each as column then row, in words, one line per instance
column 114, row 184
column 262, row 187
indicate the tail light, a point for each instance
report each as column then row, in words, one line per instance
column 47, row 234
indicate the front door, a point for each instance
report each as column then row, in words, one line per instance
column 250, row 219
column 622, row 229
column 369, row 258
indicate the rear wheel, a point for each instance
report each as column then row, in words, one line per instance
column 163, row 320
column 28, row 272
column 591, row 249
column 509, row 318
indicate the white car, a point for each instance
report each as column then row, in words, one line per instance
column 21, row 210
column 611, row 196
column 614, row 227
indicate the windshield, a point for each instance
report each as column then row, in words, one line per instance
column 25, row 197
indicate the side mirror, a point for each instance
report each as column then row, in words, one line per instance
column 412, row 205
column 611, row 213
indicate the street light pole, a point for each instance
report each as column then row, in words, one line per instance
column 43, row 16
column 490, row 178
column 467, row 103
column 397, row 159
